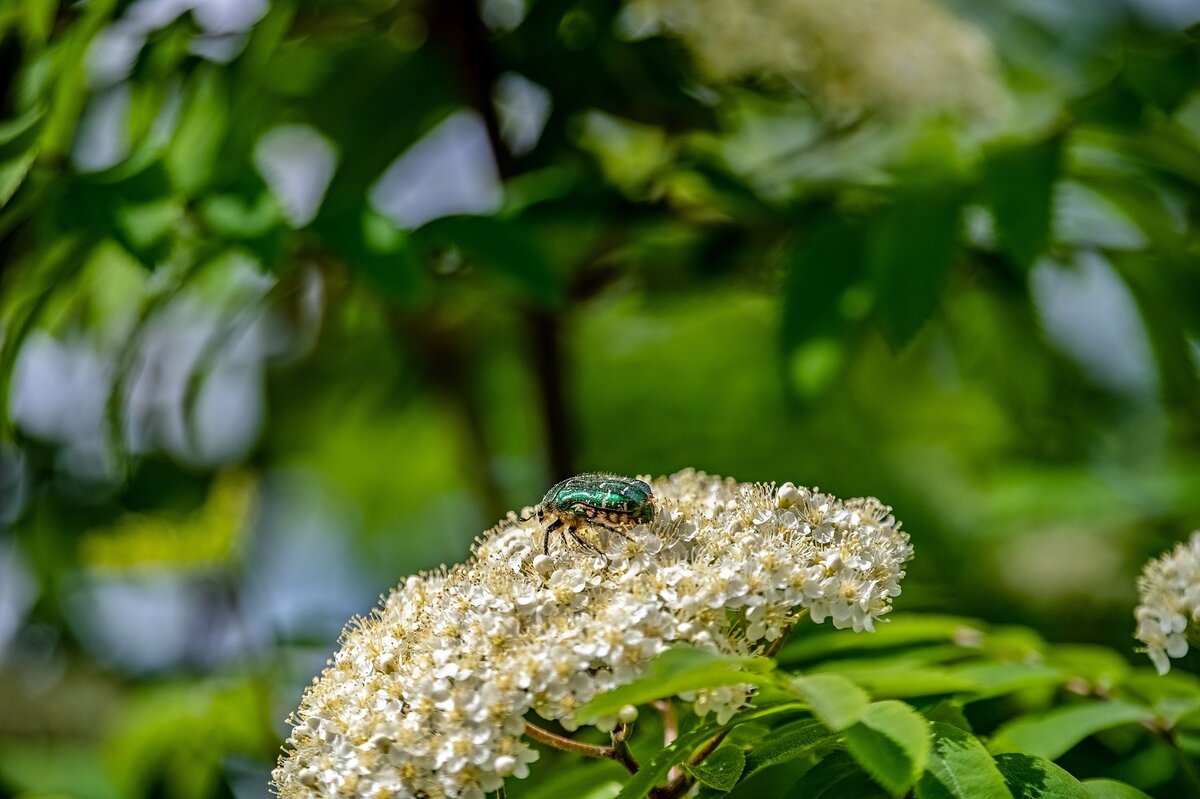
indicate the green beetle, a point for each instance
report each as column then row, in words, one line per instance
column 610, row 501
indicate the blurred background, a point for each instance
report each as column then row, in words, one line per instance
column 300, row 297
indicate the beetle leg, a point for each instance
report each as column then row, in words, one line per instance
column 583, row 543
column 612, row 528
column 550, row 528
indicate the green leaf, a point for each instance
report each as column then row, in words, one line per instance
column 836, row 777
column 505, row 246
column 678, row 670
column 191, row 158
column 834, row 700
column 575, row 782
column 18, row 150
column 786, row 743
column 655, row 771
column 901, row 681
column 1051, row 735
column 1160, row 75
column 948, row 711
column 1093, row 663
column 1111, row 789
column 721, row 770
column 905, row 631
column 59, row 769
column 1018, row 182
column 237, row 217
column 892, row 742
column 748, row 734
column 998, row 679
column 960, row 768
column 58, row 264
column 1037, row 778
column 912, row 250
column 374, row 249
column 826, row 262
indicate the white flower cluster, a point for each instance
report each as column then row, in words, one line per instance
column 899, row 56
column 428, row 697
column 1169, row 589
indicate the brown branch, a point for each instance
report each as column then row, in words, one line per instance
column 463, row 36
column 618, row 752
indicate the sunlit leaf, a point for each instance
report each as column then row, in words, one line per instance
column 1037, row 778
column 1111, row 789
column 960, row 768
column 834, row 700
column 903, row 630
column 892, row 743
column 1052, row 734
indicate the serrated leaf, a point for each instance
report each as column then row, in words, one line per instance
column 960, row 768
column 1052, row 734
column 1111, row 789
column 834, row 700
column 675, row 671
column 786, row 743
column 1037, row 778
column 912, row 250
column 721, row 770
column 836, row 777
column 892, row 742
column 1018, row 181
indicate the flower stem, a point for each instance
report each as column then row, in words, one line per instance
column 620, row 747
column 619, row 751
column 670, row 723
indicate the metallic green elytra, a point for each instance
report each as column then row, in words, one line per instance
column 609, row 501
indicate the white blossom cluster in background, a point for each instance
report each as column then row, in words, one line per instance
column 428, row 696
column 897, row 56
column 1169, row 590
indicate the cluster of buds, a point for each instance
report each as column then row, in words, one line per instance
column 1169, row 590
column 429, row 696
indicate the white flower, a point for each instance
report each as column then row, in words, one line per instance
column 428, row 696
column 892, row 56
column 1169, row 589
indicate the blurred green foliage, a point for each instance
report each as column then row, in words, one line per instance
column 599, row 247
